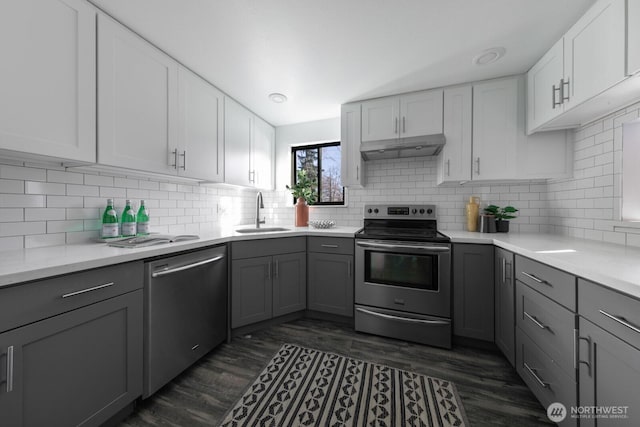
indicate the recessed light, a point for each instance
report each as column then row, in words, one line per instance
column 489, row 56
column 278, row 98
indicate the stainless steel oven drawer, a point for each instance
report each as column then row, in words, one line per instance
column 418, row 328
column 436, row 303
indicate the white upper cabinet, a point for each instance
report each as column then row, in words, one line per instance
column 544, row 88
column 633, row 37
column 581, row 77
column 352, row 165
column 137, row 102
column 406, row 116
column 595, row 51
column 201, row 128
column 454, row 161
column 238, row 133
column 262, row 154
column 249, row 148
column 47, row 79
column 495, row 131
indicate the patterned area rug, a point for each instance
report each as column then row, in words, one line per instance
column 304, row 387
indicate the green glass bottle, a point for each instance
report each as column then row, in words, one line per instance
column 110, row 221
column 128, row 220
column 142, row 219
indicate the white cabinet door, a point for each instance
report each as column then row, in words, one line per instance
column 137, row 102
column 543, row 87
column 594, row 50
column 201, row 128
column 262, row 154
column 421, row 113
column 380, row 119
column 454, row 161
column 47, row 78
column 495, row 130
column 352, row 166
column 238, row 133
column 633, row 37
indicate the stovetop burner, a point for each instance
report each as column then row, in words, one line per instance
column 401, row 222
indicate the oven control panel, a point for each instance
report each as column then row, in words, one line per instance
column 400, row 211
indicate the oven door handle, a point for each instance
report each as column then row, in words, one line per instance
column 399, row 246
column 402, row 319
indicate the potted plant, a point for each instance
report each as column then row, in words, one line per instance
column 502, row 215
column 303, row 191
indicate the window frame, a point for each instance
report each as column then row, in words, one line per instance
column 294, row 169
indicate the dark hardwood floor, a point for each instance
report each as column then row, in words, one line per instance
column 491, row 391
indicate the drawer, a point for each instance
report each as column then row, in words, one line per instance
column 30, row 302
column 556, row 284
column 612, row 311
column 543, row 377
column 267, row 247
column 330, row 245
column 549, row 325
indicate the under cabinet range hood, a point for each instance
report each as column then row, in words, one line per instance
column 429, row 145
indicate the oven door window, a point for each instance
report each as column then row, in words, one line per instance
column 401, row 269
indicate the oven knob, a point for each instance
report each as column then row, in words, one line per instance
column 429, row 211
column 369, row 210
column 421, row 211
column 414, row 211
column 376, row 210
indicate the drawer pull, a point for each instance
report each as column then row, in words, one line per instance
column 84, row 291
column 537, row 378
column 329, row 246
column 186, row 267
column 534, row 320
column 195, row 346
column 535, row 279
column 402, row 319
column 620, row 320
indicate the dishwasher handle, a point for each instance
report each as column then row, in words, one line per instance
column 186, row 267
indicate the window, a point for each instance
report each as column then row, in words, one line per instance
column 630, row 171
column 322, row 163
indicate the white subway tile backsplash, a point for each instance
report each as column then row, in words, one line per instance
column 65, row 226
column 11, row 243
column 22, row 228
column 11, row 214
column 113, row 192
column 32, row 187
column 40, row 240
column 22, row 201
column 11, row 186
column 22, row 173
column 98, row 180
column 82, row 190
column 64, row 177
column 44, row 214
column 65, row 202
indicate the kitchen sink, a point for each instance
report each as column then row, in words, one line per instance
column 261, row 230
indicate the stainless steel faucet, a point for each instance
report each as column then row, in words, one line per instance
column 259, row 204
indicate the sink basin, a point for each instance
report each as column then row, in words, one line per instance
column 261, row 230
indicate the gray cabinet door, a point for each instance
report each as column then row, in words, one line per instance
column 251, row 291
column 80, row 367
column 473, row 291
column 289, row 283
column 330, row 283
column 610, row 376
column 504, row 304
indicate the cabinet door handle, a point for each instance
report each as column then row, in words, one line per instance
column 357, row 172
column 535, row 279
column 448, row 167
column 84, row 291
column 329, row 246
column 504, row 270
column 564, row 98
column 175, row 158
column 9, row 369
column 404, row 127
column 349, row 273
column 477, row 165
column 184, row 160
column 534, row 375
column 620, row 320
column 395, row 129
column 555, row 89
column 508, row 270
column 252, row 176
column 268, row 271
column 575, row 348
column 587, row 363
column 534, row 320
column 276, row 269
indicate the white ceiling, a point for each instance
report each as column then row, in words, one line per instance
column 324, row 53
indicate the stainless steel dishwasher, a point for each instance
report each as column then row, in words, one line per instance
column 185, row 312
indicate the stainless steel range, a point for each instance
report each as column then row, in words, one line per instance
column 403, row 277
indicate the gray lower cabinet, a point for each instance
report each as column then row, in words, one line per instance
column 330, row 283
column 77, row 368
column 473, row 293
column 504, row 292
column 268, row 279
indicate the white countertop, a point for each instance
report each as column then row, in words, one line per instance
column 615, row 266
